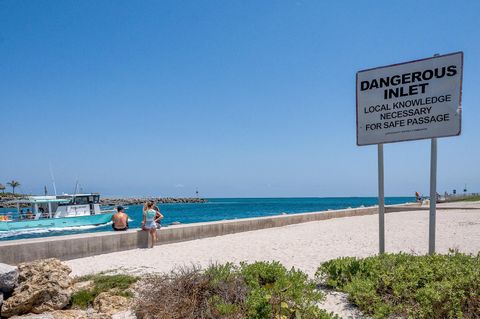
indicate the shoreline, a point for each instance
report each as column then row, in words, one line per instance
column 302, row 245
column 90, row 244
column 67, row 247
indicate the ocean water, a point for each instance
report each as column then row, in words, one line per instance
column 217, row 209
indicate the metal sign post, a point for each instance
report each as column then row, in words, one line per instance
column 432, row 218
column 433, row 197
column 381, row 201
column 410, row 101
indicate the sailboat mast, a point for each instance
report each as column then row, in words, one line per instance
column 76, row 187
column 53, row 179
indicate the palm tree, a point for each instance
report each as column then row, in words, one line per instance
column 2, row 188
column 13, row 184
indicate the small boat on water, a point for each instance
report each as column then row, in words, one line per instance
column 55, row 212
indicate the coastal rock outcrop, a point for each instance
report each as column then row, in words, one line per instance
column 128, row 201
column 46, row 315
column 129, row 314
column 110, row 304
column 43, row 285
column 8, row 278
column 65, row 314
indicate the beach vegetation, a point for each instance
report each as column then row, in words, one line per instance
column 115, row 284
column 411, row 286
column 258, row 290
column 2, row 188
column 13, row 184
column 472, row 198
column 276, row 290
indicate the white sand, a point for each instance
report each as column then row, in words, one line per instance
column 303, row 246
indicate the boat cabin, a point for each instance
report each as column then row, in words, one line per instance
column 39, row 207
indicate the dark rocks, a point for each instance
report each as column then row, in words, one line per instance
column 127, row 201
column 142, row 200
column 6, row 200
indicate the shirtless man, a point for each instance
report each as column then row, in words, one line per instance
column 120, row 219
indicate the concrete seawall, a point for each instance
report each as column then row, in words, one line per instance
column 90, row 244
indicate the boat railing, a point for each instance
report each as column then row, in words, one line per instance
column 14, row 216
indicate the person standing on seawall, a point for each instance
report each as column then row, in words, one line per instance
column 149, row 222
column 158, row 216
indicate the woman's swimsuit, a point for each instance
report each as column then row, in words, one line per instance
column 150, row 219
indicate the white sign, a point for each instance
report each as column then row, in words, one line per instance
column 410, row 101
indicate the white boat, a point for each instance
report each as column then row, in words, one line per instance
column 55, row 212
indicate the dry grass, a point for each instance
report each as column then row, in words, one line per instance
column 188, row 293
column 262, row 290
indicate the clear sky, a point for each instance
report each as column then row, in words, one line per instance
column 235, row 98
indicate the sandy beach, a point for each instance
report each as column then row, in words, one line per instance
column 303, row 246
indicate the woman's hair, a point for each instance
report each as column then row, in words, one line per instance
column 149, row 205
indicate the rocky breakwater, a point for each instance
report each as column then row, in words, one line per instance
column 44, row 289
column 7, row 201
column 128, row 201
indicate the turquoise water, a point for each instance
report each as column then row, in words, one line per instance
column 217, row 209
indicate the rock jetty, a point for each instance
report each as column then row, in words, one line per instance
column 126, row 201
column 142, row 200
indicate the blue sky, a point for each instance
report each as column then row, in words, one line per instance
column 235, row 98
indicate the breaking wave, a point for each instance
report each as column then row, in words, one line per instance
column 34, row 231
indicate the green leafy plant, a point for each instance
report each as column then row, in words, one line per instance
column 259, row 290
column 82, row 299
column 276, row 291
column 115, row 284
column 473, row 198
column 433, row 286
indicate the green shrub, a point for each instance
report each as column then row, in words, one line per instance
column 474, row 198
column 434, row 286
column 115, row 284
column 82, row 299
column 118, row 283
column 276, row 291
column 260, row 290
